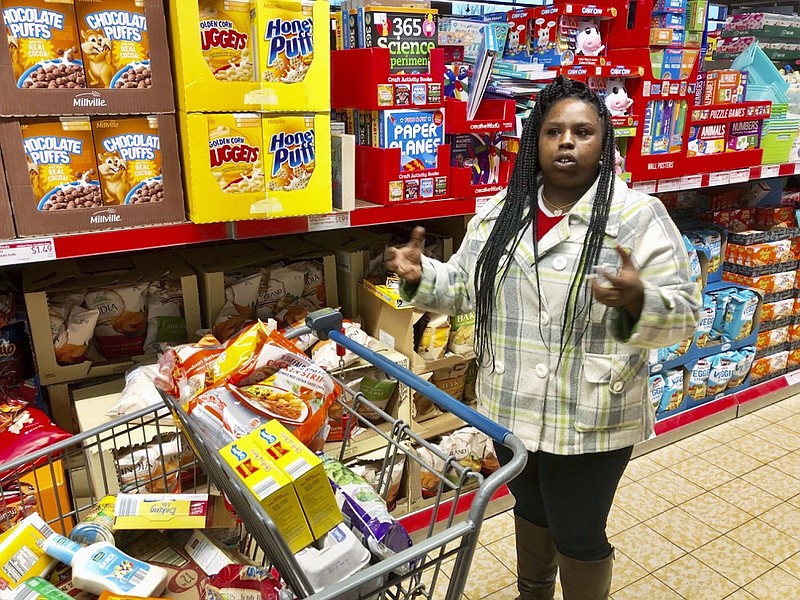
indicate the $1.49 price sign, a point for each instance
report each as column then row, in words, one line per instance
column 17, row 252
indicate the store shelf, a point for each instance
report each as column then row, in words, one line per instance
column 701, row 180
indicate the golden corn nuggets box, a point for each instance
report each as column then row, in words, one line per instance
column 44, row 44
column 286, row 40
column 234, row 147
column 225, row 39
column 114, row 43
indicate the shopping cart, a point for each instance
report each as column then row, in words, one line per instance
column 412, row 573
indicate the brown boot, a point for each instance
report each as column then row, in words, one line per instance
column 536, row 561
column 586, row 579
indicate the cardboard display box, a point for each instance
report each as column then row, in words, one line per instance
column 211, row 264
column 200, row 91
column 7, row 230
column 158, row 98
column 281, row 143
column 31, row 221
column 72, row 275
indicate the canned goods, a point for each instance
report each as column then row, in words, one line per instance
column 98, row 525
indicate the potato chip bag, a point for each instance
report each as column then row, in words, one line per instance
column 122, row 324
column 698, row 379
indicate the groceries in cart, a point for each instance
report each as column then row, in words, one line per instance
column 28, row 431
column 467, row 446
column 165, row 464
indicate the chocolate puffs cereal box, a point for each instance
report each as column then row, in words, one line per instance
column 44, row 43
column 60, row 156
column 128, row 160
column 114, row 43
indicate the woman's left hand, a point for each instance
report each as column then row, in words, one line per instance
column 624, row 290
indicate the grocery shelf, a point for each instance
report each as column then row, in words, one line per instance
column 700, row 180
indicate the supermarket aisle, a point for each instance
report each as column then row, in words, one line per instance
column 715, row 516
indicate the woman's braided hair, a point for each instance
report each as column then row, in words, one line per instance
column 519, row 212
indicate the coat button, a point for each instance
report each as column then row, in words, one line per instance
column 617, row 387
column 499, row 367
column 545, row 318
column 541, row 370
column 559, row 263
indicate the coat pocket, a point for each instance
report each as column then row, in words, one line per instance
column 611, row 392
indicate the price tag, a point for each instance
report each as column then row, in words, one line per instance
column 669, row 185
column 770, row 171
column 17, row 252
column 793, row 378
column 797, row 168
column 740, row 176
column 719, row 179
column 337, row 220
column 480, row 202
column 691, row 182
column 646, row 187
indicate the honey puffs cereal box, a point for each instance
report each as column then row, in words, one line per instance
column 234, row 147
column 225, row 39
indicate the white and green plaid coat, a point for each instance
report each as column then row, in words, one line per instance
column 597, row 399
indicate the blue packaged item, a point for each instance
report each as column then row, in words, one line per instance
column 707, row 315
column 656, row 385
column 708, row 241
column 698, row 379
column 670, row 6
column 722, row 367
column 694, row 261
column 673, row 390
column 739, row 316
column 744, row 360
column 722, row 298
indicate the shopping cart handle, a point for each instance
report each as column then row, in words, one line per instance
column 426, row 388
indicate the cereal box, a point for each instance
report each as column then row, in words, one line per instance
column 61, row 163
column 286, row 41
column 707, row 139
column 128, row 160
column 225, row 39
column 235, row 152
column 114, row 43
column 44, row 43
column 418, row 134
column 409, row 33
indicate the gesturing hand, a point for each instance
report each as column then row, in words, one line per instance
column 406, row 261
column 624, row 289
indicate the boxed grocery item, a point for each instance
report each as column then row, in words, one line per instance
column 74, row 174
column 272, row 487
column 171, row 511
column 278, row 61
column 7, row 230
column 85, row 57
column 238, row 169
column 80, row 310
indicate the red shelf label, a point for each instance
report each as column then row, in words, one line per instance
column 19, row 252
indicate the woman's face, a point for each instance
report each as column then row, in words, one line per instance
column 570, row 145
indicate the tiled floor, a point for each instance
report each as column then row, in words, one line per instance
column 711, row 517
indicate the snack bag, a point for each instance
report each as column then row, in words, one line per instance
column 225, row 39
column 324, row 353
column 244, row 581
column 282, row 288
column 122, row 324
column 720, row 374
column 166, row 323
column 72, row 327
column 698, row 379
column 673, row 390
column 114, row 43
column 241, row 296
column 158, row 467
column 655, row 386
column 432, row 344
column 462, row 334
column 695, row 270
column 182, row 370
column 15, row 353
column 379, row 389
column 739, row 315
column 18, row 501
column 452, row 380
column 722, row 298
column 313, row 281
column 743, row 361
column 707, row 317
column 30, row 430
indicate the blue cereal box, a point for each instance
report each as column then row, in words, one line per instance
column 418, row 134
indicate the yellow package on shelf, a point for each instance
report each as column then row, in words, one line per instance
column 305, row 470
column 236, row 55
column 236, row 169
column 272, row 487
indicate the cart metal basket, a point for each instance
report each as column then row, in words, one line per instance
column 412, row 573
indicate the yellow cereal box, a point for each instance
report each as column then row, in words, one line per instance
column 225, row 39
column 234, row 147
column 114, row 43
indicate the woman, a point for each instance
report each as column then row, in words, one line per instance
column 562, row 346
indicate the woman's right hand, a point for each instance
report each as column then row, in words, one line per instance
column 406, row 261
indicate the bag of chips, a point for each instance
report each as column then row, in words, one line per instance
column 166, row 323
column 122, row 323
column 30, row 431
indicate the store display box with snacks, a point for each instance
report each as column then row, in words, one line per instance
column 213, row 267
column 240, row 167
column 279, row 62
column 7, row 230
column 103, row 82
column 78, row 174
column 42, row 281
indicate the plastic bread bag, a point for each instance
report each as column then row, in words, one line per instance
column 122, row 324
column 156, row 467
column 182, row 370
column 739, row 315
column 462, row 334
column 719, row 376
column 698, row 379
column 365, row 512
column 324, row 353
column 166, row 323
column 744, row 360
column 72, row 343
column 707, row 315
column 433, row 338
column 673, row 390
column 655, row 385
column 140, row 391
column 313, row 281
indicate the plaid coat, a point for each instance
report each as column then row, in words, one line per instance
column 597, row 399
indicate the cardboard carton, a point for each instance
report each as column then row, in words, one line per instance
column 18, row 102
column 7, row 230
column 30, row 220
column 72, row 275
column 171, row 511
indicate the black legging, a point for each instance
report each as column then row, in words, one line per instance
column 571, row 495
